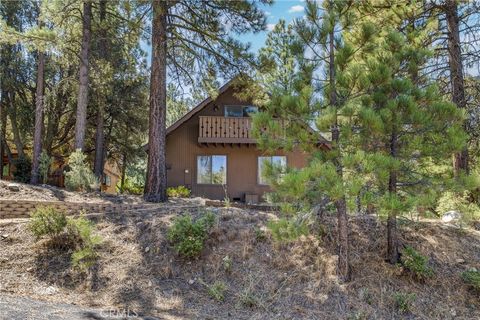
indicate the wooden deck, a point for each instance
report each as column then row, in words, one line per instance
column 225, row 130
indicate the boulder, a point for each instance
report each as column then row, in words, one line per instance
column 13, row 187
column 451, row 216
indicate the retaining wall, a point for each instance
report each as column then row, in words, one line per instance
column 23, row 208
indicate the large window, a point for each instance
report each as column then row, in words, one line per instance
column 240, row 111
column 278, row 162
column 212, row 169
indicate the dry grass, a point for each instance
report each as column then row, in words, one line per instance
column 138, row 270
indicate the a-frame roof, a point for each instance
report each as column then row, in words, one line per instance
column 198, row 108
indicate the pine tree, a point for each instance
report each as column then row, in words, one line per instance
column 82, row 101
column 401, row 122
column 189, row 37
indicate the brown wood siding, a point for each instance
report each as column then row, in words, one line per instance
column 242, row 159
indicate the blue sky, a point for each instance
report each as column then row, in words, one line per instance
column 281, row 9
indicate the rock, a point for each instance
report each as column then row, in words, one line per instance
column 460, row 261
column 191, row 281
column 5, row 236
column 450, row 216
column 147, row 249
column 50, row 290
column 13, row 187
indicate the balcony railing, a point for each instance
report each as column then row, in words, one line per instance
column 225, row 130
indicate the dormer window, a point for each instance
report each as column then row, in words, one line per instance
column 240, row 111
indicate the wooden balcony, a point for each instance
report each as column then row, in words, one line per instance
column 225, row 130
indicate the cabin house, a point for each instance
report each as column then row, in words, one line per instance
column 211, row 151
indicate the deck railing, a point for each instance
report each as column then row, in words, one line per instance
column 225, row 130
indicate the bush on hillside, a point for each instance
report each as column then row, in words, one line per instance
column 416, row 263
column 472, row 278
column 404, row 301
column 82, row 230
column 179, row 192
column 286, row 230
column 47, row 221
column 23, row 169
column 76, row 234
column 80, row 177
column 188, row 236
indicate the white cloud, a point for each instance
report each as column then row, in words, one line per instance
column 268, row 13
column 270, row 26
column 297, row 8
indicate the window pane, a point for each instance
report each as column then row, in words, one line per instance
column 219, row 169
column 233, row 111
column 249, row 110
column 261, row 165
column 277, row 161
column 204, row 167
column 280, row 161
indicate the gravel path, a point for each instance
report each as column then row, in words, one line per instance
column 20, row 308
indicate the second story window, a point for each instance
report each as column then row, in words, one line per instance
column 240, row 111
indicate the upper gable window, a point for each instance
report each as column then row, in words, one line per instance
column 240, row 111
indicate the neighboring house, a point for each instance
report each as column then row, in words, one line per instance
column 56, row 177
column 211, row 151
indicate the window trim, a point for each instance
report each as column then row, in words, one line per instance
column 211, row 164
column 258, row 167
column 237, row 105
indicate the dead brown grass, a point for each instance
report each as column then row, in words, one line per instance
column 138, row 270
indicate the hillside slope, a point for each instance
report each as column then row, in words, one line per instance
column 138, row 270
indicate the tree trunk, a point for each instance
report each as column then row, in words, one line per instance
column 460, row 163
column 2, row 111
column 17, row 139
column 124, row 169
column 392, row 241
column 100, row 133
column 82, row 101
column 37, row 137
column 156, row 182
column 340, row 205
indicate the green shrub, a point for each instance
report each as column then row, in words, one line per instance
column 472, row 278
column 216, row 290
column 451, row 201
column 227, row 264
column 285, row 230
column 416, row 263
column 260, row 235
column 82, row 231
column 47, row 221
column 188, row 235
column 23, row 169
column 179, row 192
column 248, row 298
column 80, row 177
column 75, row 233
column 45, row 161
column 404, row 301
column 130, row 187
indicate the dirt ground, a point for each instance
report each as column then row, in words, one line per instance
column 138, row 270
column 51, row 193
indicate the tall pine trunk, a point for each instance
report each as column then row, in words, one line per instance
column 392, row 240
column 39, row 102
column 12, row 114
column 460, row 162
column 100, row 133
column 82, row 101
column 156, row 182
column 340, row 204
